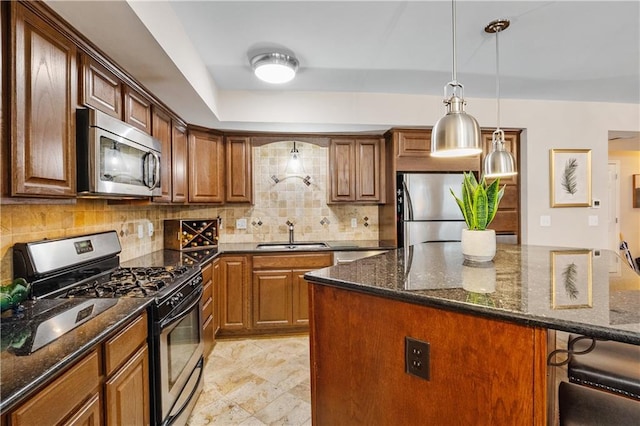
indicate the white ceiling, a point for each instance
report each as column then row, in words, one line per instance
column 195, row 54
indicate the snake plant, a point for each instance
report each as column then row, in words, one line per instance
column 479, row 202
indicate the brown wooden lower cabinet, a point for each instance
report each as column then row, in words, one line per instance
column 482, row 371
column 127, row 392
column 109, row 385
column 64, row 397
column 234, row 294
column 280, row 292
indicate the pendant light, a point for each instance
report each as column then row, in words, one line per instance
column 457, row 134
column 294, row 164
column 499, row 162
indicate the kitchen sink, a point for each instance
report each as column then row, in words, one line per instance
column 294, row 246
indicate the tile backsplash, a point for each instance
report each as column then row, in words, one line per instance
column 274, row 204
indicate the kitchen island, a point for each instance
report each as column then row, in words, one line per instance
column 489, row 328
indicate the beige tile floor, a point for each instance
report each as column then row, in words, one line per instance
column 262, row 381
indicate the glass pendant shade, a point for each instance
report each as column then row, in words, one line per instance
column 457, row 134
column 499, row 162
column 294, row 163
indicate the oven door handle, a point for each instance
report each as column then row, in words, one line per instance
column 170, row 418
column 183, row 312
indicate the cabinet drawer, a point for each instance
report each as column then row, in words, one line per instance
column 59, row 399
column 206, row 273
column 119, row 349
column 207, row 308
column 309, row 261
column 207, row 290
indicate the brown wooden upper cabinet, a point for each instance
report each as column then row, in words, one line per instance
column 206, row 167
column 412, row 152
column 100, row 88
column 137, row 109
column 356, row 171
column 103, row 90
column 43, row 87
column 239, row 175
column 161, row 130
column 179, row 162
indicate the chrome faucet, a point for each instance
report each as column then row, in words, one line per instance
column 290, row 224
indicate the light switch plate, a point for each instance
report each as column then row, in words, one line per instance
column 593, row 220
column 140, row 231
column 545, row 220
column 241, row 223
column 354, row 222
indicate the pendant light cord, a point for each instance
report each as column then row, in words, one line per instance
column 497, row 81
column 453, row 25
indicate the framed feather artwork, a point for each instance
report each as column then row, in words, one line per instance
column 571, row 279
column 570, row 177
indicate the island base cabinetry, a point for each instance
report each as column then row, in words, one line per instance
column 482, row 371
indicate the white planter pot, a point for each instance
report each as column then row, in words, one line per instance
column 479, row 246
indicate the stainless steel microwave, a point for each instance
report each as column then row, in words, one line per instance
column 115, row 159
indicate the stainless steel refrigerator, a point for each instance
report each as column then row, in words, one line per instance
column 427, row 211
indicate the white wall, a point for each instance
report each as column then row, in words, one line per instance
column 547, row 124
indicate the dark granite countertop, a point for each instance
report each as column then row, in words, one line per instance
column 587, row 291
column 191, row 257
column 20, row 375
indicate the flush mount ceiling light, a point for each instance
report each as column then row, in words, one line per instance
column 457, row 134
column 499, row 162
column 274, row 68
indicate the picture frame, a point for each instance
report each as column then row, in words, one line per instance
column 571, row 279
column 570, row 177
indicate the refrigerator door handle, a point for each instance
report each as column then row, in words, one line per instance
column 408, row 203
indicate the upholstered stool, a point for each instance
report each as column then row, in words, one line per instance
column 610, row 366
column 585, row 406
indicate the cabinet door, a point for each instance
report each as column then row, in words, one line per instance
column 44, row 83
column 233, row 293
column 369, row 170
column 90, row 414
column 161, row 130
column 137, row 110
column 414, row 144
column 216, row 297
column 300, row 288
column 206, row 168
column 179, row 148
column 239, row 176
column 100, row 88
column 342, row 170
column 271, row 299
column 127, row 392
column 413, row 154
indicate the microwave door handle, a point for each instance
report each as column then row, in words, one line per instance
column 156, row 167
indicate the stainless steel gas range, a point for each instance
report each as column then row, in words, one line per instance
column 86, row 268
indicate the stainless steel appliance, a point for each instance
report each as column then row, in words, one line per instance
column 426, row 210
column 87, row 268
column 115, row 159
